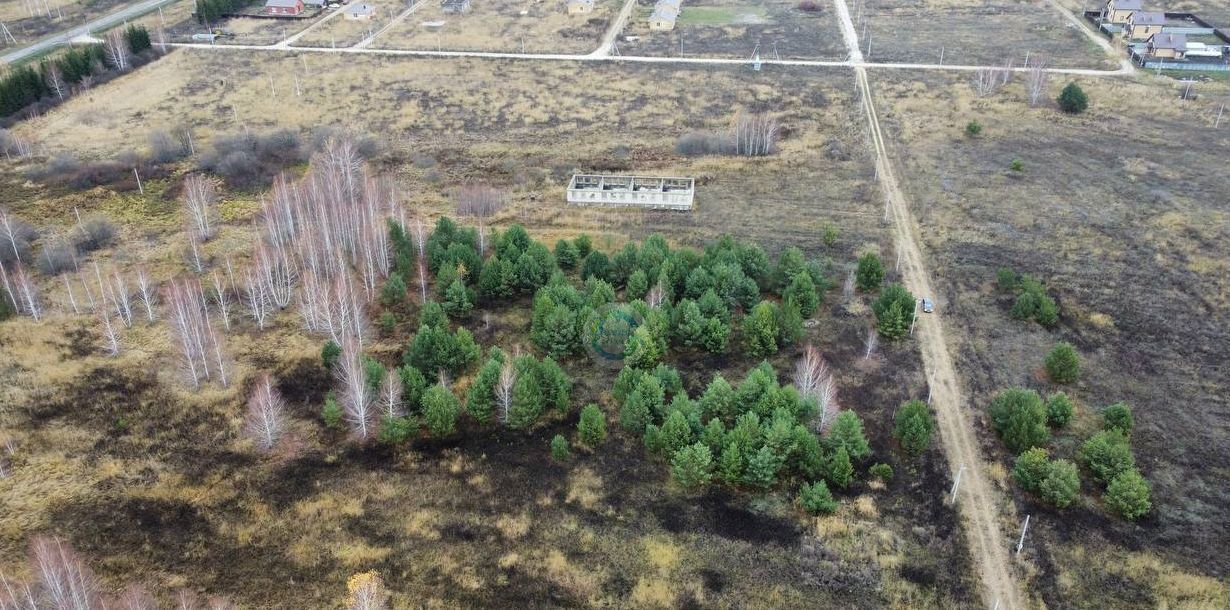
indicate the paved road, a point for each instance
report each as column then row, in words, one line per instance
column 634, row 58
column 130, row 12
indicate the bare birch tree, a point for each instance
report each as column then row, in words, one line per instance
column 199, row 344
column 480, row 202
column 754, row 135
column 117, row 49
column 200, row 201
column 366, row 592
column 504, row 389
column 121, row 298
column 222, row 299
column 55, row 80
column 147, row 293
column 260, row 306
column 24, row 292
column 266, row 419
column 390, row 394
column 1037, row 84
column 815, row 382
column 136, row 597
column 357, row 399
column 110, row 333
column 66, row 582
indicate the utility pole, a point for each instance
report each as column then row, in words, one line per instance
column 955, row 484
column 915, row 318
column 941, row 56
column 139, row 187
column 1217, row 121
column 1024, row 529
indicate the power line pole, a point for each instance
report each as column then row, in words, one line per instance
column 956, row 484
column 1024, row 529
column 1217, row 121
column 138, row 176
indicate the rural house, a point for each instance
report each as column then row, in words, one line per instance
column 1118, row 11
column 360, row 11
column 283, row 7
column 578, row 7
column 664, row 14
column 1143, row 24
column 1165, row 45
column 453, row 7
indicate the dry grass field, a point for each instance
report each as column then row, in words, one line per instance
column 342, row 31
column 499, row 25
column 972, row 32
column 732, row 29
column 154, row 484
column 1121, row 212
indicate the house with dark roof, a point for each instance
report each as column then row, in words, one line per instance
column 1167, row 45
column 1143, row 24
column 288, row 8
column 1118, row 11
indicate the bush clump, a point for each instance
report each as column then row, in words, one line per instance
column 1058, row 410
column 1062, row 363
column 1072, row 99
column 816, row 499
column 1019, row 416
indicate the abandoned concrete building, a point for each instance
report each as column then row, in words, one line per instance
column 655, row 193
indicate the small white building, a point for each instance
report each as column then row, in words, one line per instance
column 360, row 11
column 661, row 193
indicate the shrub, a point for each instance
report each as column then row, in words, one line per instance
column 395, row 430
column 592, row 427
column 837, row 468
column 1019, row 417
column 1128, row 495
column 829, row 235
column 388, row 323
column 815, row 498
column 1062, row 363
column 847, row 432
column 760, row 330
column 883, row 472
column 1107, row 455
column 1005, row 279
column 56, row 258
column 1061, row 486
column 810, row 6
column 1073, row 99
column 331, row 413
column 95, row 233
column 973, row 128
column 1017, row 165
column 894, row 312
column 559, row 448
column 698, row 143
column 870, row 273
column 440, row 410
column 1118, row 417
column 692, row 466
column 913, row 427
column 1031, row 468
column 329, row 354
column 1058, row 410
column 394, row 291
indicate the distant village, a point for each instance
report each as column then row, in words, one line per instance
column 1164, row 40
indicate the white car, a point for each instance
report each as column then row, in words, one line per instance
column 928, row 306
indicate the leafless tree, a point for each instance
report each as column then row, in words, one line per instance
column 198, row 342
column 200, row 204
column 367, row 592
column 110, row 333
column 8, row 288
column 12, row 231
column 23, row 291
column 55, row 79
column 136, row 597
column 504, row 389
column 193, row 255
column 656, row 295
column 356, row 397
column 146, row 292
column 16, row 595
column 222, row 299
column 1038, row 82
column 480, row 202
column 333, row 307
column 275, row 266
column 420, row 241
column 390, row 394
column 72, row 299
column 815, row 382
column 117, row 49
column 266, row 419
column 66, row 582
column 754, row 135
column 260, row 306
column 987, row 81
column 121, row 298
